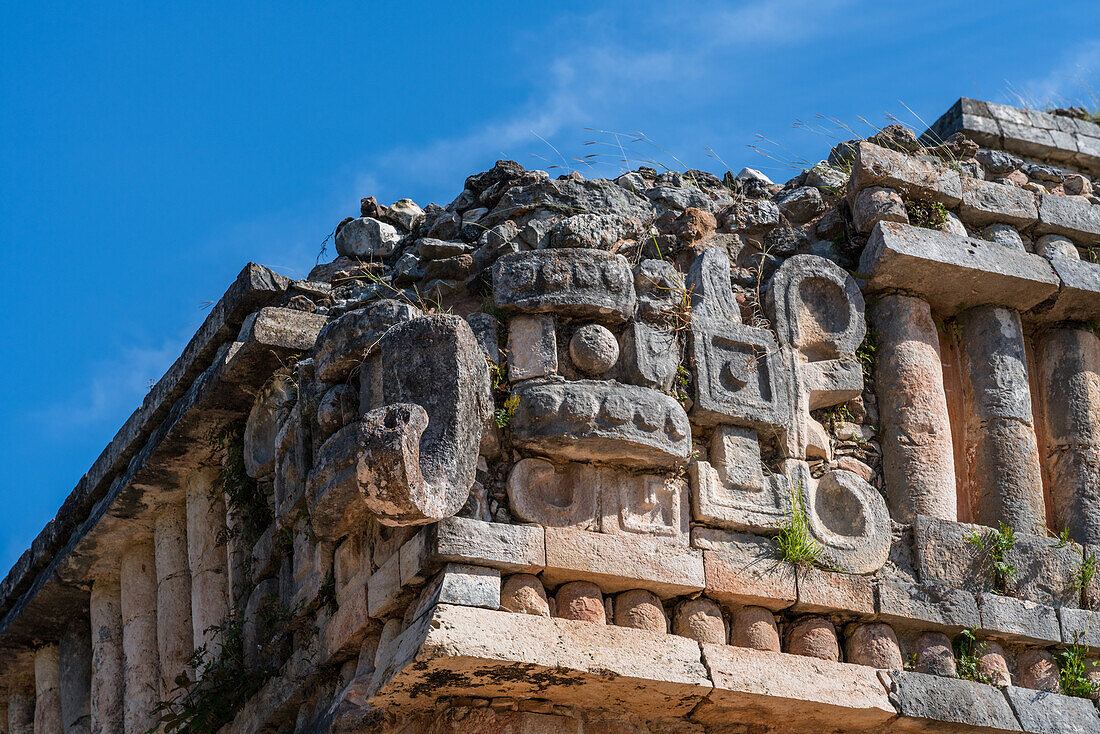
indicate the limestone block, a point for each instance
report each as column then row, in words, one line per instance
column 593, row 349
column 141, row 668
column 262, row 603
column 47, row 691
column 1046, row 570
column 346, row 341
column 384, row 589
column 542, row 493
column 918, row 462
column 206, row 557
column 877, row 204
column 814, row 637
column 338, row 407
column 641, row 610
column 468, row 586
column 944, row 555
column 415, row 458
column 1024, row 621
column 496, row 545
column 602, row 422
column 1038, row 671
column 931, row 702
column 1001, row 450
column 1072, row 216
column 744, row 569
column 465, row 651
column 993, row 663
column 1052, row 713
column 755, row 627
column 700, row 619
column 1069, row 382
column 828, row 591
column 268, row 413
column 739, row 376
column 580, row 601
column 660, row 289
column 523, row 593
column 1079, row 297
column 986, row 202
column 939, row 608
column 643, row 504
column 485, row 327
column 367, row 239
column 622, row 562
column 351, row 566
column 293, row 460
column 650, row 355
column 572, row 282
column 1079, row 625
column 952, row 272
column 806, row 694
column 731, row 490
column 532, row 347
column 107, row 681
column 311, row 564
column 915, row 177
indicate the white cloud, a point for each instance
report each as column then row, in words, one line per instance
column 1075, row 80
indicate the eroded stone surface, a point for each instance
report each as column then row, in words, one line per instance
column 575, row 282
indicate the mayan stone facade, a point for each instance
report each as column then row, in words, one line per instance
column 666, row 453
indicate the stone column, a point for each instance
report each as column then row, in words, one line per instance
column 174, row 629
column 76, row 677
column 108, row 687
column 1069, row 382
column 47, row 691
column 918, row 463
column 206, row 554
column 1002, row 456
column 141, row 667
column 21, row 709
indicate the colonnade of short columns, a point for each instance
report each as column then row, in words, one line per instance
column 995, row 444
column 106, row 673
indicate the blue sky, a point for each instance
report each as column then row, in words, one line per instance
column 151, row 149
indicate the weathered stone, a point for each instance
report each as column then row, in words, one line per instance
column 758, row 687
column 700, row 619
column 916, row 434
column 345, row 342
column 585, row 420
column 1069, row 383
column 801, row 204
column 985, row 202
column 497, row 545
column 569, row 196
column 1071, row 216
column 206, row 557
column 1002, row 454
column 1077, row 300
column 934, row 655
column 593, row 349
column 731, row 490
column 108, row 679
column 932, row 703
column 406, row 214
column 873, row 644
column 1046, row 570
column 596, row 231
column 750, row 216
column 993, row 663
column 744, row 569
column 571, row 282
column 468, row 586
column 523, row 593
column 1004, row 235
column 539, row 492
column 414, row 459
column 916, row 178
column 175, row 635
column 367, row 238
column 261, row 430
column 1038, row 671
column 650, row 355
column 262, row 604
column 937, row 607
column 430, row 248
column 47, row 691
column 754, row 627
column 622, row 562
column 946, row 554
column 829, row 591
column 532, row 347
column 813, row 637
column 642, row 610
column 1051, row 713
column 950, row 272
column 1023, row 620
column 20, row 708
column 139, row 637
column 580, row 601
column 877, row 204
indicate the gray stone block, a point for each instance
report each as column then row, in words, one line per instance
column 467, row 586
column 937, row 700
column 986, row 202
column 1025, row 621
column 1081, row 626
column 1045, row 572
column 953, row 272
column 944, row 556
column 1071, row 216
column 1052, row 713
column 914, row 177
column 1079, row 297
column 930, row 607
column 507, row 547
column 573, row 282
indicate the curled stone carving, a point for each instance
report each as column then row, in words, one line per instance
column 415, row 456
column 739, row 377
column 847, row 516
column 571, row 282
column 600, row 498
column 343, row 343
column 818, row 312
column 732, row 491
column 604, row 422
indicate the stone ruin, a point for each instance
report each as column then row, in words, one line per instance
column 668, row 453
